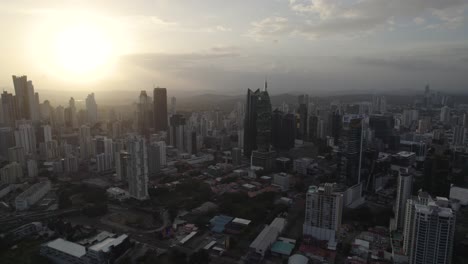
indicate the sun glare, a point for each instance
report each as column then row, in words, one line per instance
column 82, row 50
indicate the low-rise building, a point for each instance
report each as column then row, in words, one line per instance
column 32, row 195
column 103, row 252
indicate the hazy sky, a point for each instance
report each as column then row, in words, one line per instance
column 228, row 46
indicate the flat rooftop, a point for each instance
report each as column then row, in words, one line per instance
column 67, row 247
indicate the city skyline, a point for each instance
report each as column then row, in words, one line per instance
column 250, row 132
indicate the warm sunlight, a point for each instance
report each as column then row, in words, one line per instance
column 82, row 50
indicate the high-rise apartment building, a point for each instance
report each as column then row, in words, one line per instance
column 160, row 109
column 432, row 233
column 25, row 137
column 323, row 213
column 85, row 142
column 445, row 115
column 177, row 132
column 137, row 169
column 7, row 140
column 9, row 109
column 156, row 156
column 404, row 188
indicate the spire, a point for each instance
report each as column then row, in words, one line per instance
column 266, row 84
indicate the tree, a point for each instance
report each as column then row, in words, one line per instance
column 200, row 257
column 175, row 256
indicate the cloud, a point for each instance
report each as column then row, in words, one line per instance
column 271, row 26
column 322, row 18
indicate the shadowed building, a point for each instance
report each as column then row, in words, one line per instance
column 160, row 109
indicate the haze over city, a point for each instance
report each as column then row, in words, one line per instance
column 223, row 47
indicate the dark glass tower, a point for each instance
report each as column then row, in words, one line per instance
column 160, row 109
column 283, row 130
column 257, row 128
column 350, row 150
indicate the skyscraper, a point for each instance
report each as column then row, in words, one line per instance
column 144, row 115
column 21, row 93
column 25, row 137
column 121, row 165
column 173, row 106
column 349, row 165
column 156, row 156
column 445, row 115
column 323, row 213
column 47, row 133
column 160, row 109
column 303, row 117
column 9, row 108
column 91, row 109
column 405, row 184
column 72, row 118
column 85, row 142
column 177, row 132
column 433, row 233
column 257, row 122
column 137, row 169
column 7, row 140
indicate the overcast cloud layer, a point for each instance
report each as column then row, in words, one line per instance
column 228, row 46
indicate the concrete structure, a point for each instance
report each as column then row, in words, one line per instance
column 281, row 180
column 117, row 194
column 460, row 194
column 91, row 109
column 423, row 198
column 25, row 137
column 85, row 142
column 268, row 236
column 11, row 173
column 137, row 169
column 433, row 233
column 300, row 165
column 445, row 115
column 323, row 213
column 5, row 189
column 16, row 154
column 404, row 188
column 32, row 195
column 156, row 156
column 121, row 165
column 32, row 168
column 101, row 251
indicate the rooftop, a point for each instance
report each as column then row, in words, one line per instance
column 105, row 245
column 282, row 248
column 67, row 247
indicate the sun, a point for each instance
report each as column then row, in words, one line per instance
column 82, row 50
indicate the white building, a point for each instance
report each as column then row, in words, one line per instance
column 405, row 185
column 25, row 137
column 300, row 165
column 11, row 173
column 433, row 233
column 268, row 236
column 32, row 195
column 32, row 168
column 137, row 169
column 281, row 180
column 103, row 249
column 323, row 213
column 47, row 133
column 445, row 115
